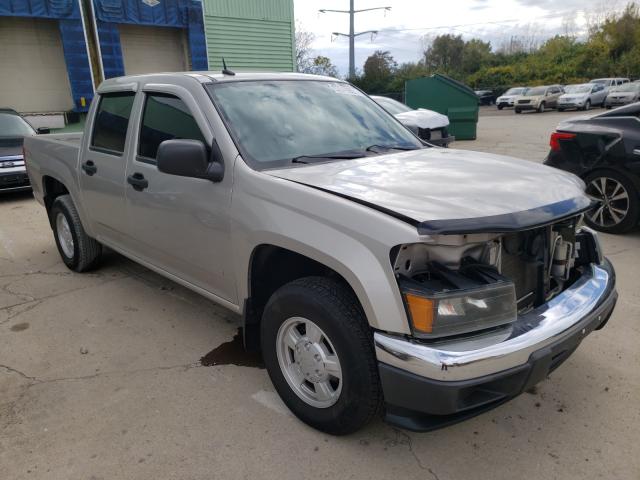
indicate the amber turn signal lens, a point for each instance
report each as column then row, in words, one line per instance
column 421, row 310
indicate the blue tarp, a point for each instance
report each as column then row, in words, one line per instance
column 162, row 13
column 40, row 8
column 168, row 13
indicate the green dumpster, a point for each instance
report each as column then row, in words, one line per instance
column 449, row 97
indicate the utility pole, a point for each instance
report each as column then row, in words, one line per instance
column 352, row 35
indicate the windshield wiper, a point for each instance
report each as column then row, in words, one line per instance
column 347, row 155
column 374, row 147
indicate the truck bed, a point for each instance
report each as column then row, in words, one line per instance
column 54, row 155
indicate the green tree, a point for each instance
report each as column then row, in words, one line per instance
column 322, row 66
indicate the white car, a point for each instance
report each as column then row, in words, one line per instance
column 509, row 97
column 582, row 96
column 430, row 126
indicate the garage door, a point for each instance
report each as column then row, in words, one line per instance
column 33, row 73
column 153, row 49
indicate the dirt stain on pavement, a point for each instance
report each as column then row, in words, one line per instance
column 232, row 353
column 19, row 327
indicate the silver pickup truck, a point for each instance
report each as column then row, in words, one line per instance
column 376, row 273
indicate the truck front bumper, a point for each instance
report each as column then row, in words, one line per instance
column 428, row 386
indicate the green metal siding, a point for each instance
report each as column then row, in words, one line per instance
column 250, row 34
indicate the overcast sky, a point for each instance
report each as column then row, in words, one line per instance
column 401, row 30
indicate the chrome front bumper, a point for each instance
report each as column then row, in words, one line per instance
column 575, row 312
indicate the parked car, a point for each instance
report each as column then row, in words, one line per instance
column 485, row 97
column 539, row 98
column 603, row 150
column 623, row 95
column 430, row 126
column 13, row 129
column 610, row 82
column 375, row 273
column 508, row 98
column 582, row 96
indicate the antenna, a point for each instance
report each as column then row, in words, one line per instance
column 225, row 70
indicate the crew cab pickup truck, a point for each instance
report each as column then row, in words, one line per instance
column 377, row 274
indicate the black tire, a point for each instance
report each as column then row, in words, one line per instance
column 608, row 107
column 541, row 107
column 587, row 106
column 560, row 109
column 86, row 250
column 630, row 220
column 517, row 110
column 333, row 307
column 500, row 107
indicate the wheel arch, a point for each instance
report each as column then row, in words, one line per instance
column 52, row 188
column 270, row 267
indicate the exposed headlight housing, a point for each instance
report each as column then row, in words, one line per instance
column 438, row 314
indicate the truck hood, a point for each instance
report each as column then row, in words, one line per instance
column 423, row 118
column 433, row 185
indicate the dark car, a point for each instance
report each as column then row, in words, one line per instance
column 13, row 129
column 486, row 97
column 604, row 150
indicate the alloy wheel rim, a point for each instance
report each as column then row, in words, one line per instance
column 65, row 238
column 309, row 362
column 612, row 201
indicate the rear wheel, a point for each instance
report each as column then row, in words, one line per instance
column 318, row 350
column 79, row 252
column 617, row 209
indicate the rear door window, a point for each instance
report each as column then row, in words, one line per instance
column 111, row 122
column 165, row 117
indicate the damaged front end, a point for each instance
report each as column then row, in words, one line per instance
column 491, row 315
column 467, row 283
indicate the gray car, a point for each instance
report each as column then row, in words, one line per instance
column 623, row 95
column 539, row 98
column 582, row 96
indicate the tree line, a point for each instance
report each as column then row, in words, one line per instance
column 610, row 48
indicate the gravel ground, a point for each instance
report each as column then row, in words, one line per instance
column 100, row 378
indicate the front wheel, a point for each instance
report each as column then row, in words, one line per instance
column 500, row 107
column 617, row 207
column 541, row 108
column 318, row 350
column 517, row 110
column 587, row 106
column 79, row 252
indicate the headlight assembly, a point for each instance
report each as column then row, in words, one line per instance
column 437, row 314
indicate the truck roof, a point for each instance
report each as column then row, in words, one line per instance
column 206, row 77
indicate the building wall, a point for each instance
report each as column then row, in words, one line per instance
column 109, row 15
column 67, row 15
column 250, row 34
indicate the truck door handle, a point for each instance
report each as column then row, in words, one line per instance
column 89, row 167
column 138, row 181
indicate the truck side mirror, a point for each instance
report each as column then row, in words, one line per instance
column 189, row 158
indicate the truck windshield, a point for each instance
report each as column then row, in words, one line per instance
column 276, row 121
column 13, row 126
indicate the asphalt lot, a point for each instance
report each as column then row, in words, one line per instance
column 100, row 378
